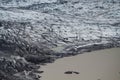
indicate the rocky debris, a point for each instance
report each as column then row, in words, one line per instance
column 13, row 66
column 90, row 47
column 36, row 71
column 39, row 59
column 9, row 67
column 34, row 76
column 71, row 72
column 11, row 40
column 6, row 76
column 27, row 75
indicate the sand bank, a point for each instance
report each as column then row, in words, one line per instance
column 96, row 65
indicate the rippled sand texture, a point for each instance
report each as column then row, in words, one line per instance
column 97, row 65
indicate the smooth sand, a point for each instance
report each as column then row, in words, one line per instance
column 96, row 65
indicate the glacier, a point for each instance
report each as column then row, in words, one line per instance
column 53, row 29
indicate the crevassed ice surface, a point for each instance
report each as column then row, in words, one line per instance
column 61, row 24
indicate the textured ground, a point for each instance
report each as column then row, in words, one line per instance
column 40, row 30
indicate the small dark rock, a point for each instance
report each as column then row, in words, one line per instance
column 76, row 72
column 36, row 71
column 68, row 72
column 39, row 76
column 71, row 72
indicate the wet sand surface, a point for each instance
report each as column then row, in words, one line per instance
column 96, row 65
